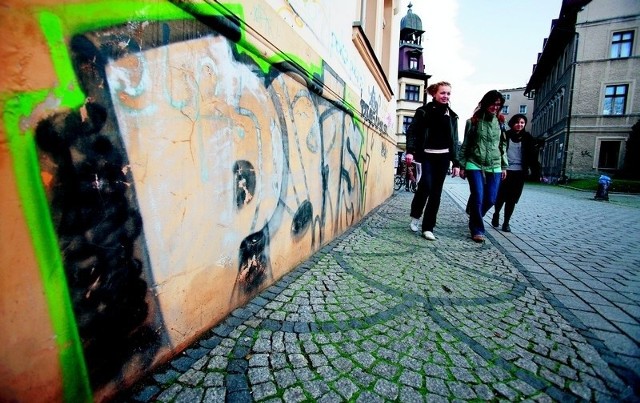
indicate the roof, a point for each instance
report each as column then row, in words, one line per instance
column 562, row 32
column 411, row 20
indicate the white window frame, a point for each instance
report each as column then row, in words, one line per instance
column 611, row 44
column 596, row 151
column 626, row 98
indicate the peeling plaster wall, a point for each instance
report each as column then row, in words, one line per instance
column 161, row 163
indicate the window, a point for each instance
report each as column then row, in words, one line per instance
column 412, row 93
column 413, row 63
column 615, row 99
column 621, row 44
column 505, row 109
column 406, row 121
column 507, row 97
column 523, row 109
column 609, row 153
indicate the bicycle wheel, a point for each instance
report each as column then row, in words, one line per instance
column 397, row 182
column 413, row 186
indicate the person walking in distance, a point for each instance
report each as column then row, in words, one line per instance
column 483, row 160
column 523, row 157
column 432, row 140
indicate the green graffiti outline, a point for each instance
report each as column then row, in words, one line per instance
column 75, row 380
column 21, row 145
column 58, row 22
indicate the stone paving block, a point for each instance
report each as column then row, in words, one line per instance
column 362, row 378
column 411, row 378
column 170, row 393
column 386, row 389
column 190, row 395
column 236, row 382
column 192, row 377
column 315, row 388
column 304, row 374
column 264, row 390
column 437, row 386
column 213, row 379
column 328, row 373
column 285, row 378
column 259, row 375
column 618, row 342
column 294, row 395
column 614, row 313
column 166, row 376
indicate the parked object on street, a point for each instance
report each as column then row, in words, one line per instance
column 407, row 178
column 604, row 183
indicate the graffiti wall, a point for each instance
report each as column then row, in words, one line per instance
column 172, row 160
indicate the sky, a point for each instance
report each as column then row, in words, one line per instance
column 480, row 45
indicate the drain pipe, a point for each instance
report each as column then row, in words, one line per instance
column 574, row 65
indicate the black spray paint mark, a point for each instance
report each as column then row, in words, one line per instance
column 302, row 219
column 245, row 182
column 97, row 228
column 254, row 261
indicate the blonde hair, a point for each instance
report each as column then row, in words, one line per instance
column 433, row 88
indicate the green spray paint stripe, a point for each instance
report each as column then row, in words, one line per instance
column 68, row 90
column 58, row 23
column 235, row 12
column 75, row 378
column 83, row 17
column 78, row 18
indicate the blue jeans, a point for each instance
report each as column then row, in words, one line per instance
column 484, row 191
column 429, row 192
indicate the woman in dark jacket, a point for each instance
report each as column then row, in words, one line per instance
column 432, row 140
column 523, row 161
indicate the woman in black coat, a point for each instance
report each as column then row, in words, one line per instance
column 522, row 153
column 432, row 140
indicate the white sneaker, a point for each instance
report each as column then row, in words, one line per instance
column 415, row 224
column 429, row 235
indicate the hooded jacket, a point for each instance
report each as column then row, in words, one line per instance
column 419, row 131
column 484, row 145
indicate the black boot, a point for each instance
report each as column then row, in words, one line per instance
column 495, row 221
column 506, row 227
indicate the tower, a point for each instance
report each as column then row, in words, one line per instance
column 412, row 80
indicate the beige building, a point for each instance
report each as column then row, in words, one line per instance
column 163, row 162
column 517, row 102
column 586, row 89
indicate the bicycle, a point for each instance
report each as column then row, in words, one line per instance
column 401, row 180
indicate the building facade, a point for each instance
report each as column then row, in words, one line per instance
column 412, row 80
column 586, row 89
column 517, row 102
column 162, row 162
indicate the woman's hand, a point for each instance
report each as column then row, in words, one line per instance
column 504, row 174
column 461, row 174
column 455, row 172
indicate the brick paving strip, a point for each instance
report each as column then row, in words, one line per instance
column 380, row 314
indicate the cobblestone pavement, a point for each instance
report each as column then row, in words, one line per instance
column 548, row 312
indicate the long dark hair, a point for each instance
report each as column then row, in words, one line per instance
column 487, row 100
